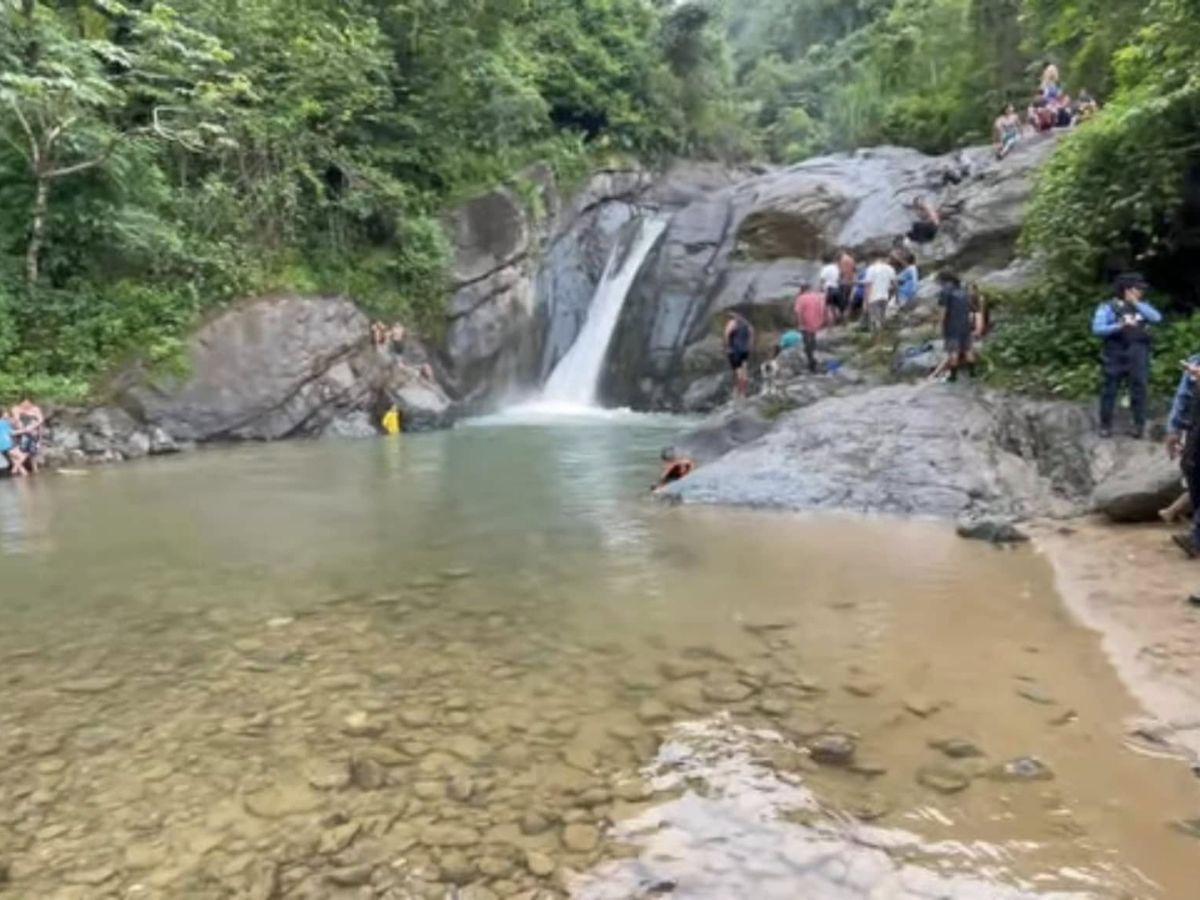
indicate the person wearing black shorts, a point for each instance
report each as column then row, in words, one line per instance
column 739, row 338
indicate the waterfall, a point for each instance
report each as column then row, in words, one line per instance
column 576, row 378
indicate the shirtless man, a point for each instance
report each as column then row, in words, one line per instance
column 675, row 468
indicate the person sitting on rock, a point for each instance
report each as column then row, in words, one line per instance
column 926, row 224
column 1086, row 106
column 675, row 468
column 957, row 332
column 1008, row 131
column 1123, row 324
column 739, row 340
column 1050, row 88
column 812, row 315
column 9, row 436
column 1183, row 443
column 1064, row 112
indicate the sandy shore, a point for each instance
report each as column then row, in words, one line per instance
column 1130, row 583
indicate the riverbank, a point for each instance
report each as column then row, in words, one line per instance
column 1129, row 584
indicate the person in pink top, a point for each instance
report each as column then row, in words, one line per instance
column 812, row 315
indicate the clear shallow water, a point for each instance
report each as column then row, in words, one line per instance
column 485, row 661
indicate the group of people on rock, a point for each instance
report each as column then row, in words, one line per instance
column 21, row 437
column 1050, row 107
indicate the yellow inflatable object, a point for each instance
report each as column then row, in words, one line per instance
column 391, row 421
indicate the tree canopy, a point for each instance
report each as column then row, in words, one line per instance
column 158, row 157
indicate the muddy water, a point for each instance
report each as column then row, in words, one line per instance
column 482, row 665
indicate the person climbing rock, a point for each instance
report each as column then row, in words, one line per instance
column 675, row 468
column 1183, row 443
column 9, row 448
column 926, row 223
column 739, row 339
column 812, row 315
column 957, row 326
column 1123, row 324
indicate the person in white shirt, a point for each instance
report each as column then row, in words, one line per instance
column 880, row 286
column 831, row 284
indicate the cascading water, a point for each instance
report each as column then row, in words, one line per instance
column 575, row 379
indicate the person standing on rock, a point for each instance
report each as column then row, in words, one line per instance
column 831, row 284
column 957, row 326
column 812, row 315
column 1123, row 324
column 739, row 338
column 847, row 275
column 880, row 286
column 1183, row 443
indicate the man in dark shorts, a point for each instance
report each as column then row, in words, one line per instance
column 739, row 339
column 957, row 326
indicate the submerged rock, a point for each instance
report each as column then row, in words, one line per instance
column 943, row 779
column 833, row 749
column 1023, row 768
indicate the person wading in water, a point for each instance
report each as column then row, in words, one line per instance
column 1123, row 325
column 739, row 338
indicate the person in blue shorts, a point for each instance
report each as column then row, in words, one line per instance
column 8, row 445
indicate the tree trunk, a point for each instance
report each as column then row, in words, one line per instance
column 41, row 202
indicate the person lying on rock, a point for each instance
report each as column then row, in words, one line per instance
column 1123, row 324
column 675, row 468
column 1183, row 443
column 739, row 339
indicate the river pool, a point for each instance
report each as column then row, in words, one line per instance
column 484, row 663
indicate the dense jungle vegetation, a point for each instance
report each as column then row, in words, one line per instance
column 160, row 157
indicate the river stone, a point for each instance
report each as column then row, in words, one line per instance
column 833, row 749
column 143, row 857
column 956, row 748
column 994, row 529
column 652, row 712
column 90, row 877
column 350, row 876
column 455, row 868
column 943, row 779
column 445, row 835
column 281, row 801
column 1023, row 768
column 722, row 691
column 331, row 776
column 579, row 757
column 1143, row 482
column 534, row 823
column 460, row 788
column 467, row 748
column 1189, row 827
column 338, row 838
column 539, row 864
column 427, row 790
column 360, row 724
column 774, row 706
column 1035, row 694
column 676, row 669
column 416, row 717
column 862, row 687
column 921, row 707
column 580, row 838
column 96, row 685
column 366, row 774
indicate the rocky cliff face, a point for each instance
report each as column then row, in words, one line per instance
column 268, row 369
column 749, row 246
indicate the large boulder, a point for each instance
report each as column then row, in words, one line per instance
column 750, row 246
column 1143, row 482
column 273, row 368
column 945, row 451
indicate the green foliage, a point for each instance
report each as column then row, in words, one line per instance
column 159, row 159
column 1112, row 194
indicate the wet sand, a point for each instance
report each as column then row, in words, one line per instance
column 1130, row 583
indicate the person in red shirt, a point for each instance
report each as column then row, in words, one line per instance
column 812, row 315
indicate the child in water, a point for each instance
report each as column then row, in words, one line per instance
column 675, row 468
